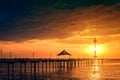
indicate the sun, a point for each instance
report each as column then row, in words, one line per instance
column 92, row 48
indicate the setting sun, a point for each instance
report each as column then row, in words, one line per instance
column 92, row 48
column 98, row 49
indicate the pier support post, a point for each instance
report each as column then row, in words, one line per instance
column 53, row 64
column 102, row 61
column 38, row 67
column 71, row 63
column 20, row 71
column 67, row 63
column 63, row 63
column 74, row 63
column 13, row 70
column 78, row 63
column 42, row 67
column 31, row 69
column 46, row 65
column 34, row 70
column 25, row 71
column 49, row 64
column 8, row 71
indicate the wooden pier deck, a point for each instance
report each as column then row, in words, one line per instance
column 59, row 62
column 76, row 61
column 41, row 63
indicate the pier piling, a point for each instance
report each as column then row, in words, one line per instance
column 37, row 65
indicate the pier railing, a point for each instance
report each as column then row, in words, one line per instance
column 44, row 59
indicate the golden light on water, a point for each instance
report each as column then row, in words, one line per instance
column 95, row 76
column 96, row 68
column 95, row 72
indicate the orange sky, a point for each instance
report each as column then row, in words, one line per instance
column 78, row 47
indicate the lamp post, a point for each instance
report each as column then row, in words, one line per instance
column 1, row 51
column 95, row 41
column 10, row 55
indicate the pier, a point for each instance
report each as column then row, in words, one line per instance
column 36, row 65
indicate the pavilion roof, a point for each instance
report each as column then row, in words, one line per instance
column 63, row 53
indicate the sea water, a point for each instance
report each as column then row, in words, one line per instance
column 110, row 70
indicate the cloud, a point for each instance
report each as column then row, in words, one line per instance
column 51, row 23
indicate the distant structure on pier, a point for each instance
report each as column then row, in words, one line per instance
column 95, row 43
column 64, row 54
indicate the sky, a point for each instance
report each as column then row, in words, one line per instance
column 46, row 27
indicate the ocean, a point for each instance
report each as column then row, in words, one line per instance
column 110, row 70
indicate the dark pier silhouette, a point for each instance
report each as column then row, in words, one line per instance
column 37, row 65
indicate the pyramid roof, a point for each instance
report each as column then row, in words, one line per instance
column 63, row 53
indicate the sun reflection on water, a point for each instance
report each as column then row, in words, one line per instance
column 95, row 72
